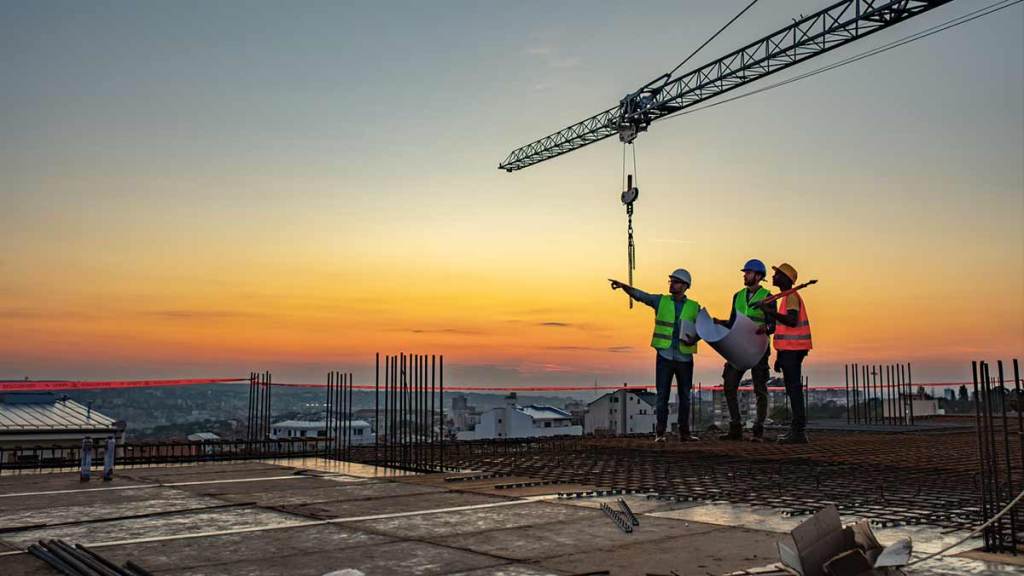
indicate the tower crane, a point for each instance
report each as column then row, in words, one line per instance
column 808, row 36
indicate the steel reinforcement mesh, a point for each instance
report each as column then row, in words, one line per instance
column 893, row 479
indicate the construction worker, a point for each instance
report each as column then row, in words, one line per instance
column 675, row 350
column 745, row 302
column 792, row 343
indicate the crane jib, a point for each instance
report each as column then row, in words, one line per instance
column 834, row 26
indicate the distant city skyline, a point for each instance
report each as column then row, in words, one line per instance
column 205, row 189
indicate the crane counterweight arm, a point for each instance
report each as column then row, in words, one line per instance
column 837, row 25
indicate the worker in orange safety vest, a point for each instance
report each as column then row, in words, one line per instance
column 792, row 343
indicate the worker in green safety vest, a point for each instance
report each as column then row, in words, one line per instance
column 746, row 302
column 675, row 339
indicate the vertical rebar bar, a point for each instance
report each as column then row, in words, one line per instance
column 376, row 406
column 993, row 472
column 393, row 408
column 327, row 414
column 444, row 426
column 846, row 379
column 889, row 384
column 1009, row 491
column 1020, row 433
column 433, row 392
column 910, row 387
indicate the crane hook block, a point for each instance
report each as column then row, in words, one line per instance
column 631, row 193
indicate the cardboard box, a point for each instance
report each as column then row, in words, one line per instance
column 824, row 547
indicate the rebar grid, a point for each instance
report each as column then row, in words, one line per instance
column 892, row 479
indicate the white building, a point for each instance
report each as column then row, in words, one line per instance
column 513, row 421
column 41, row 423
column 622, row 412
column 361, row 433
column 916, row 405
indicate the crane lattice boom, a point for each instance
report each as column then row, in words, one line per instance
column 810, row 36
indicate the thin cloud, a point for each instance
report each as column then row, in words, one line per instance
column 613, row 349
column 185, row 314
column 552, row 57
column 443, row 331
column 620, row 349
column 554, row 324
column 673, row 241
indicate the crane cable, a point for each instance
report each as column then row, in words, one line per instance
column 629, row 184
column 708, row 41
column 952, row 23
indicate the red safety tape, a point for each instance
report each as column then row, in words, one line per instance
column 56, row 385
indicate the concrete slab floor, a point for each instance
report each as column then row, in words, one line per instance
column 136, row 503
column 176, row 475
column 341, row 467
column 559, row 536
column 404, row 557
column 510, row 570
column 11, row 485
column 552, row 539
column 266, row 546
column 371, row 506
column 164, row 525
column 716, row 551
column 279, row 483
column 467, row 521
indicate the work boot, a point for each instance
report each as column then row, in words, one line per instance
column 685, row 436
column 735, row 432
column 793, row 437
column 758, row 431
column 659, row 438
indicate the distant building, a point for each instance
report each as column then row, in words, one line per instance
column 34, row 419
column 578, row 411
column 464, row 417
column 622, row 412
column 362, row 432
column 918, row 405
column 513, row 421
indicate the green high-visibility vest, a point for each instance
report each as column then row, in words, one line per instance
column 740, row 303
column 665, row 322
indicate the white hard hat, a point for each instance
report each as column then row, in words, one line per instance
column 683, row 275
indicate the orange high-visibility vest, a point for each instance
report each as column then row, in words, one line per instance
column 797, row 337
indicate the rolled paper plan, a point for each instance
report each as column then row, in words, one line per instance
column 740, row 345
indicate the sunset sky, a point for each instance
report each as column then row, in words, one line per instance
column 209, row 188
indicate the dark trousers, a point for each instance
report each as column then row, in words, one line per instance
column 791, row 362
column 731, row 378
column 664, row 370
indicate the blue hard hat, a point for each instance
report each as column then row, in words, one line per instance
column 754, row 265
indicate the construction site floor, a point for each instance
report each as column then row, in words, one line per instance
column 319, row 517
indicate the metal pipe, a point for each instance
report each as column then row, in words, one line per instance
column 54, row 562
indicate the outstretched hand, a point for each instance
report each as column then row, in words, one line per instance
column 616, row 284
